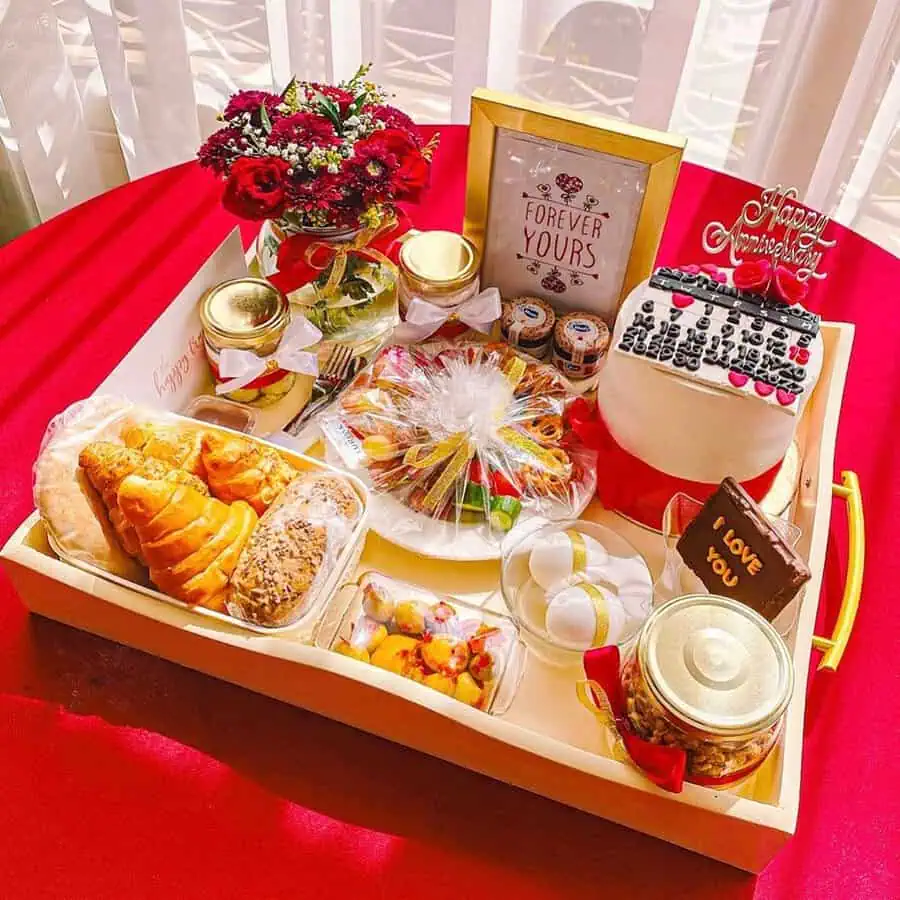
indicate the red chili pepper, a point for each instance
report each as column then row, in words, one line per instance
column 501, row 486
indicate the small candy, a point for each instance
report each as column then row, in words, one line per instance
column 481, row 666
column 469, row 691
column 410, row 617
column 585, row 616
column 377, row 602
column 440, row 683
column 445, row 653
column 442, row 612
column 396, row 653
column 347, row 649
column 369, row 634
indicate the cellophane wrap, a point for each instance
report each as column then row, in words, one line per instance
column 473, row 434
column 72, row 511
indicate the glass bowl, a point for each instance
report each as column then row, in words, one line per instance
column 574, row 571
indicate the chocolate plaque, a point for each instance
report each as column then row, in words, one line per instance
column 733, row 549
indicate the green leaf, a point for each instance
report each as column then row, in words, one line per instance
column 290, row 97
column 264, row 119
column 330, row 109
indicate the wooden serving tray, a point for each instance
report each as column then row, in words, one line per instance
column 546, row 742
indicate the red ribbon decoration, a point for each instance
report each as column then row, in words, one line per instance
column 632, row 487
column 296, row 267
column 662, row 764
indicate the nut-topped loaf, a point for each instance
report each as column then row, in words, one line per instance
column 292, row 550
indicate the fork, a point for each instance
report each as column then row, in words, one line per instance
column 339, row 368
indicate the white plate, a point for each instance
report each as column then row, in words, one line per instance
column 395, row 522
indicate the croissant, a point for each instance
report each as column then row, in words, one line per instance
column 238, row 469
column 107, row 465
column 178, row 446
column 190, row 543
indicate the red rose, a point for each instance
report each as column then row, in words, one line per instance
column 411, row 177
column 788, row 287
column 753, row 275
column 255, row 188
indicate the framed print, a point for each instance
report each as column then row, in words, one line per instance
column 565, row 205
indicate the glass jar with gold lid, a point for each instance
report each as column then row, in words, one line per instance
column 440, row 267
column 713, row 677
column 247, row 314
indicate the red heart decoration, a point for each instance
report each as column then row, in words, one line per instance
column 785, row 398
column 738, row 379
column 762, row 388
column 802, row 356
column 682, row 301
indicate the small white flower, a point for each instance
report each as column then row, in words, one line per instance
column 290, row 171
column 272, row 150
column 333, row 169
column 352, row 121
column 246, row 130
column 292, row 146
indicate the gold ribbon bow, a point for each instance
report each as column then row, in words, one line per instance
column 337, row 254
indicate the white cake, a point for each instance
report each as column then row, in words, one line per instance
column 721, row 410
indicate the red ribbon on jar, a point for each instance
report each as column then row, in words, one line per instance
column 630, row 486
column 664, row 765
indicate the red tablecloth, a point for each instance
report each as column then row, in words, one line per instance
column 125, row 776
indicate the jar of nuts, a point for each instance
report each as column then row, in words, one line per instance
column 713, row 677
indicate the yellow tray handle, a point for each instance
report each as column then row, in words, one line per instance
column 834, row 647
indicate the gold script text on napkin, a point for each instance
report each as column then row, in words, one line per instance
column 790, row 234
column 737, row 547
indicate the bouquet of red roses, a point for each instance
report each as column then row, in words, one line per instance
column 317, row 156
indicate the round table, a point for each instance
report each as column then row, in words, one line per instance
column 122, row 775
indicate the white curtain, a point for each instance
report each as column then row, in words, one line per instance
column 803, row 92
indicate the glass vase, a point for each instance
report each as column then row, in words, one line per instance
column 361, row 308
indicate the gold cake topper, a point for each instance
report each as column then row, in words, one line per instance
column 775, row 227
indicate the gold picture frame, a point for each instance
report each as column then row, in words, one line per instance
column 547, row 137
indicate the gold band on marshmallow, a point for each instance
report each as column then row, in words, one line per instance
column 601, row 630
column 579, row 550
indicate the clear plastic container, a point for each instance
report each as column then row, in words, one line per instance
column 472, row 654
column 712, row 677
column 220, row 411
column 574, row 585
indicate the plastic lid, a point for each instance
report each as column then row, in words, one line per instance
column 716, row 664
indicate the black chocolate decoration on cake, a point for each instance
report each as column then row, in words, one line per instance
column 733, row 549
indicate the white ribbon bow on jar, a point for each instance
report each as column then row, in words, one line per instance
column 423, row 318
column 241, row 367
